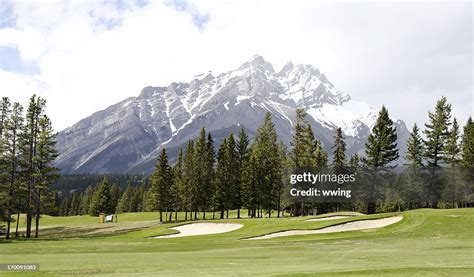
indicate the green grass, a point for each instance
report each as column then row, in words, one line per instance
column 425, row 243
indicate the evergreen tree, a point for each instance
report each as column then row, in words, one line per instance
column 452, row 148
column 125, row 200
column 204, row 161
column 45, row 173
column 468, row 144
column 209, row 172
column 115, row 196
column 161, row 182
column 5, row 106
column 303, row 152
column 28, row 149
column 101, row 201
column 267, row 164
column 86, row 198
column 339, row 150
column 414, row 155
column 381, row 151
column 242, row 162
column 320, row 156
column 65, row 205
column 13, row 125
column 452, row 189
column 437, row 135
column 176, row 187
column 381, row 147
column 189, row 192
column 75, row 203
column 354, row 162
column 222, row 179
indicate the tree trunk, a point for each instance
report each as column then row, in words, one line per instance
column 238, row 212
column 7, row 236
column 38, row 211
column 161, row 216
column 17, row 221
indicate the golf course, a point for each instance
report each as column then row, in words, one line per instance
column 424, row 242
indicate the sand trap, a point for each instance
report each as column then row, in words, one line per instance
column 329, row 218
column 196, row 229
column 350, row 226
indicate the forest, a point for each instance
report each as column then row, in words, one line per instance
column 242, row 174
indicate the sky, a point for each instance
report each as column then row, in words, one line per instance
column 83, row 56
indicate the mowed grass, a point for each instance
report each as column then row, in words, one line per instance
column 425, row 243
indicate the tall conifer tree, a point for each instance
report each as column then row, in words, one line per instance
column 414, row 155
column 161, row 182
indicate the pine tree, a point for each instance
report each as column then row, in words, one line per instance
column 86, row 198
column 123, row 205
column 46, row 153
column 242, row 162
column 267, row 164
column 189, row 192
column 381, row 147
column 303, row 145
column 414, row 155
column 5, row 106
column 74, row 206
column 453, row 158
column 299, row 140
column 452, row 148
column 320, row 156
column 161, row 182
column 28, row 149
column 381, row 150
column 222, row 179
column 65, row 205
column 13, row 125
column 468, row 144
column 437, row 134
column 354, row 162
column 101, row 201
column 176, row 187
column 339, row 150
column 115, row 197
column 209, row 172
column 200, row 157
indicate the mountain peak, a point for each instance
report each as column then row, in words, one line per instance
column 127, row 136
column 257, row 63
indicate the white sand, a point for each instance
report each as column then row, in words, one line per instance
column 328, row 218
column 350, row 226
column 196, row 229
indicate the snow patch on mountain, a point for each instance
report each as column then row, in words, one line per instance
column 349, row 116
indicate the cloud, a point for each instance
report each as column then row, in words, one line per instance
column 93, row 55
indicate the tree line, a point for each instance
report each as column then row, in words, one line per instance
column 255, row 176
column 27, row 149
column 243, row 174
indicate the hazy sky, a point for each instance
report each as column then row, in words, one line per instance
column 83, row 56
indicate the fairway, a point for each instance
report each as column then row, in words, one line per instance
column 425, row 242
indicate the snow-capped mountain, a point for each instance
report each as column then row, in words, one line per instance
column 128, row 136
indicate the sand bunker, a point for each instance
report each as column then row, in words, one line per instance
column 349, row 226
column 196, row 229
column 329, row 218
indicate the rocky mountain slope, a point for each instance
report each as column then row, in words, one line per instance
column 127, row 136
